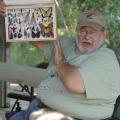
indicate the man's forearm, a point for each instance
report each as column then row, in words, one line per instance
column 68, row 73
column 21, row 74
column 70, row 77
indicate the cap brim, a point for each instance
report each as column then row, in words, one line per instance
column 88, row 23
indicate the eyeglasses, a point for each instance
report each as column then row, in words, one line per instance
column 83, row 32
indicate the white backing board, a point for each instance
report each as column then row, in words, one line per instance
column 30, row 22
column 23, row 2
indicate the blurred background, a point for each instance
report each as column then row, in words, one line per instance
column 67, row 12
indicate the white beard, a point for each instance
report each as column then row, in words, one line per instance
column 88, row 50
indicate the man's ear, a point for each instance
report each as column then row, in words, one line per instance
column 106, row 33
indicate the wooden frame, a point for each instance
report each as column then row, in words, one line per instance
column 30, row 22
column 26, row 2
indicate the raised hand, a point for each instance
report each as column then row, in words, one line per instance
column 2, row 8
column 59, row 57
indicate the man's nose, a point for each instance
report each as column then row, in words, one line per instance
column 87, row 36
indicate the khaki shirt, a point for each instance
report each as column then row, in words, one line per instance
column 101, row 73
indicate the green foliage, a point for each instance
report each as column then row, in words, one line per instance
column 109, row 8
column 24, row 53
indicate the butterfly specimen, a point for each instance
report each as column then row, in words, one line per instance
column 35, row 32
column 47, row 24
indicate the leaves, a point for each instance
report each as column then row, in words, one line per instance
column 24, row 53
column 109, row 8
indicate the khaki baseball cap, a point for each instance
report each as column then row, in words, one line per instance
column 91, row 18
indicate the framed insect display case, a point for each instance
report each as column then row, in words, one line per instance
column 30, row 22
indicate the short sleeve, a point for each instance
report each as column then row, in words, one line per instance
column 101, row 75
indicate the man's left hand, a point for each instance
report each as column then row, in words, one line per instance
column 59, row 57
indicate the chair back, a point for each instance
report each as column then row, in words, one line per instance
column 116, row 113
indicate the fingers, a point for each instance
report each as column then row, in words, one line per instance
column 38, row 44
column 2, row 8
column 57, row 48
column 57, row 45
column 2, row 4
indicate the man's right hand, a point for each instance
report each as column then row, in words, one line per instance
column 2, row 8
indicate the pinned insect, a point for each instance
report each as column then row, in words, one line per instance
column 35, row 32
column 47, row 24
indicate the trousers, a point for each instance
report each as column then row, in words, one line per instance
column 24, row 114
